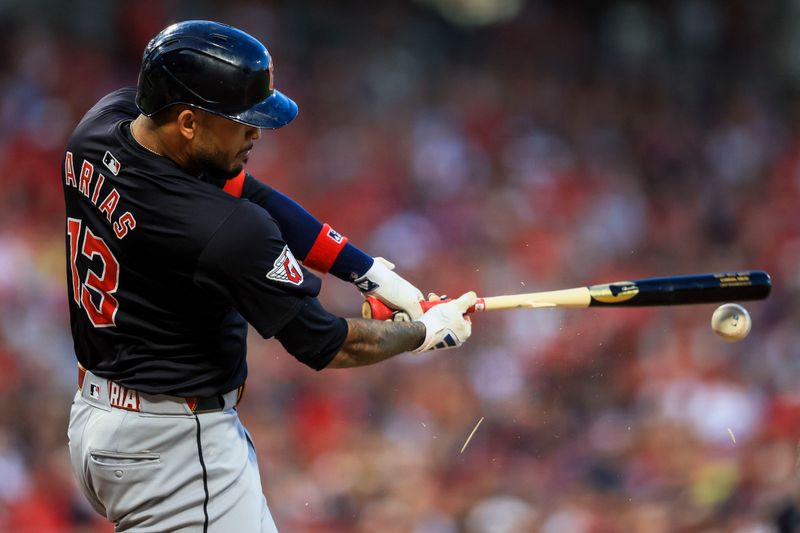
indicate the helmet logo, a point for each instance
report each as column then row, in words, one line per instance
column 271, row 75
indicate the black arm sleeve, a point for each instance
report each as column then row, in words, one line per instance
column 314, row 336
column 300, row 229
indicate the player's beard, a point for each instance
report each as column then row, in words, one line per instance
column 216, row 165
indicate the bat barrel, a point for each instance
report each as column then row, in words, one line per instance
column 680, row 290
column 674, row 290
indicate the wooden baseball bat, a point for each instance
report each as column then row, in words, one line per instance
column 673, row 290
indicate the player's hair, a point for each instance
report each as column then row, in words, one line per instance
column 168, row 114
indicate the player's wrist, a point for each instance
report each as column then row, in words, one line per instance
column 445, row 324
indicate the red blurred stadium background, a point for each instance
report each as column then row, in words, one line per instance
column 495, row 145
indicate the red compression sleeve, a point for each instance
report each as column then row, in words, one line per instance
column 325, row 249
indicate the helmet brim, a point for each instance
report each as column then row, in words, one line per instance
column 275, row 112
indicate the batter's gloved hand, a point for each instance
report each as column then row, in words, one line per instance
column 445, row 324
column 381, row 282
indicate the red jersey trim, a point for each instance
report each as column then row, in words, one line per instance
column 235, row 185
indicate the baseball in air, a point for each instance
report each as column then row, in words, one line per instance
column 731, row 322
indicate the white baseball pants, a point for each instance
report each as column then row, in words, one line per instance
column 151, row 465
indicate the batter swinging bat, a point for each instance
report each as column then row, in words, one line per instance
column 674, row 290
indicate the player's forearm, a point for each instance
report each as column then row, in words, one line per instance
column 372, row 341
column 301, row 230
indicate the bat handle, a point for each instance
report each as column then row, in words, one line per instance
column 377, row 310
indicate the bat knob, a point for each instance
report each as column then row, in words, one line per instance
column 366, row 309
column 375, row 309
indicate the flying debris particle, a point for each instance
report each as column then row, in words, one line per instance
column 471, row 434
column 733, row 437
column 423, row 424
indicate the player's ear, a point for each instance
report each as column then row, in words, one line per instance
column 187, row 121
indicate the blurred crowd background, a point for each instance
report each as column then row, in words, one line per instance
column 497, row 145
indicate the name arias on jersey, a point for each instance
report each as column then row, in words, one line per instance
column 83, row 182
column 286, row 269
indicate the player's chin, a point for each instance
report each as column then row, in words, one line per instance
column 241, row 160
column 237, row 168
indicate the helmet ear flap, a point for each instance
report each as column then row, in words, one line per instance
column 213, row 67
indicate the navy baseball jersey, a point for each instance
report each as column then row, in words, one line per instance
column 165, row 269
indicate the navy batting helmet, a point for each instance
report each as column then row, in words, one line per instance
column 213, row 67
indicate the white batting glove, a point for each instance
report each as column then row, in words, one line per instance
column 388, row 287
column 445, row 324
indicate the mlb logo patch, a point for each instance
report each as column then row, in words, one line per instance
column 334, row 236
column 111, row 163
column 94, row 391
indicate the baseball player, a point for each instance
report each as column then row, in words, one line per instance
column 171, row 250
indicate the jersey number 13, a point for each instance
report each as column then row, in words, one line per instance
column 102, row 311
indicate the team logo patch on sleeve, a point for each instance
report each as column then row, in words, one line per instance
column 286, row 269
